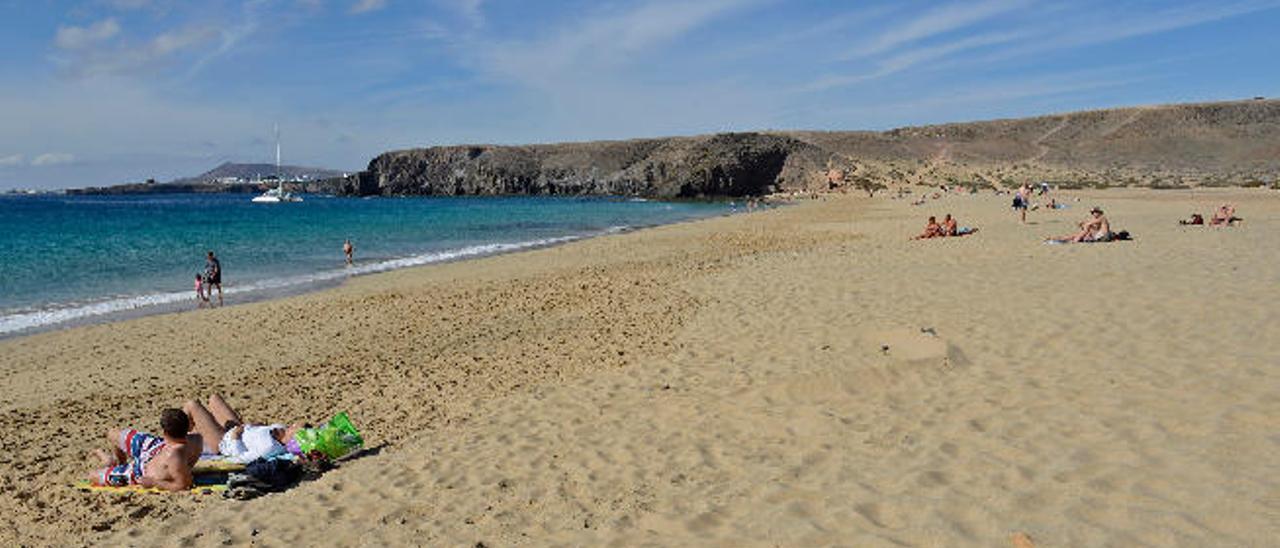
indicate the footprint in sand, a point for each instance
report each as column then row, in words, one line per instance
column 922, row 346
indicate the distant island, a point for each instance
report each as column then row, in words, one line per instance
column 232, row 178
column 1168, row 146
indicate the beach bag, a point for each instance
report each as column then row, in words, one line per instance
column 335, row 439
column 274, row 474
column 1121, row 236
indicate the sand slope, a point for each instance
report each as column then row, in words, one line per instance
column 725, row 383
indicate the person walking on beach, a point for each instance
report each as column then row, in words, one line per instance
column 1022, row 200
column 349, row 250
column 213, row 276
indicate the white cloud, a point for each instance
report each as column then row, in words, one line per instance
column 365, row 6
column 470, row 9
column 75, row 38
column 1093, row 28
column 1053, row 30
column 52, row 159
column 937, row 21
column 127, row 58
column 129, row 4
column 910, row 58
column 1112, row 27
column 11, row 160
column 170, row 42
column 591, row 46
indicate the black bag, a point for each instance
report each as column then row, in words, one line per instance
column 275, row 474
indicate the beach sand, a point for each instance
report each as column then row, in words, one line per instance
column 795, row 377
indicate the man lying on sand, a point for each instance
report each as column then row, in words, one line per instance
column 1094, row 229
column 225, row 433
column 142, row 459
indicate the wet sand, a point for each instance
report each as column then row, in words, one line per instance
column 722, row 382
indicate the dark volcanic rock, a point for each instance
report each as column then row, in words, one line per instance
column 734, row 164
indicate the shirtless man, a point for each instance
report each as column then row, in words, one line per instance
column 1022, row 200
column 1094, row 229
column 931, row 230
column 143, row 459
column 948, row 226
column 348, row 250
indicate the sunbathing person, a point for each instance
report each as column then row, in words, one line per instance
column 226, row 434
column 931, row 230
column 1094, row 229
column 949, row 228
column 1226, row 215
column 142, row 459
column 1196, row 219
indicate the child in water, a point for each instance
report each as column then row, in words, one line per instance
column 201, row 299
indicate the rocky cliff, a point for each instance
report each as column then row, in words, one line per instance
column 735, row 164
column 1235, row 143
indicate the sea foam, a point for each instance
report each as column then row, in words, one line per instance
column 56, row 314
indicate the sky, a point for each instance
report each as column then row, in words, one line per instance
column 96, row 92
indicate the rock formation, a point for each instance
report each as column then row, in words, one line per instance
column 735, row 164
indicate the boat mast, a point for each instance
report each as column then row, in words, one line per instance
column 279, row 179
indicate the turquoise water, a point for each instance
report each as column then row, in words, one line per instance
column 76, row 258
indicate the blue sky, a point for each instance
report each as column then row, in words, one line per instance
column 107, row 91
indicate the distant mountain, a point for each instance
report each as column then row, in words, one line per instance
column 233, row 178
column 247, row 172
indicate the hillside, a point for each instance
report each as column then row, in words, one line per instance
column 230, row 178
column 1231, row 143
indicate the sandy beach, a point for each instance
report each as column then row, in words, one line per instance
column 800, row 376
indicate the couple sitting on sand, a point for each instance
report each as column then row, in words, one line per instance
column 166, row 461
column 948, row 228
column 1224, row 216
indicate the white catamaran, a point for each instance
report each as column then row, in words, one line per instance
column 278, row 194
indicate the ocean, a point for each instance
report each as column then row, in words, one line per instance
column 66, row 260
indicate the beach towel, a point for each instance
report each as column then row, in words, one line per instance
column 204, row 485
column 210, row 476
column 215, row 465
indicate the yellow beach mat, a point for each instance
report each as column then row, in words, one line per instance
column 216, row 466
column 84, row 485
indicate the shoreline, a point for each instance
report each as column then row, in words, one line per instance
column 721, row 381
column 121, row 309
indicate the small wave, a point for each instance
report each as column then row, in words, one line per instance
column 28, row 319
column 53, row 316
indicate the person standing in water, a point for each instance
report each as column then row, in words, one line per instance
column 201, row 298
column 213, row 277
column 349, row 250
